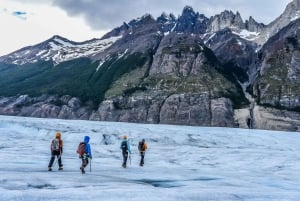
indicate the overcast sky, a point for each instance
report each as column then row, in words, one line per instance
column 28, row 22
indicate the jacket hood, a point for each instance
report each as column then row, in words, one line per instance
column 58, row 135
column 86, row 139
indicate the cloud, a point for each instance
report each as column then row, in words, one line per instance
column 103, row 14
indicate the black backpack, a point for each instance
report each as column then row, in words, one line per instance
column 141, row 146
column 55, row 145
column 124, row 146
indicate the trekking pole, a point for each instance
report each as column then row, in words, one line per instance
column 90, row 165
column 130, row 158
column 56, row 161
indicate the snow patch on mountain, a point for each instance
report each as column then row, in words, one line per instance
column 59, row 50
column 67, row 51
column 247, row 35
column 296, row 16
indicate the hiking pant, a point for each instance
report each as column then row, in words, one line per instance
column 142, row 153
column 85, row 162
column 125, row 156
column 58, row 155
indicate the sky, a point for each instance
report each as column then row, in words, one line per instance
column 181, row 163
column 28, row 22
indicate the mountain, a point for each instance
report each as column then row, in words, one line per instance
column 190, row 70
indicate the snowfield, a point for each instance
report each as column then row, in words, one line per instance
column 182, row 163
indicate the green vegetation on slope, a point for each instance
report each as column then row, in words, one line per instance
column 76, row 78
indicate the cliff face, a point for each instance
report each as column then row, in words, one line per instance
column 181, row 109
column 279, row 78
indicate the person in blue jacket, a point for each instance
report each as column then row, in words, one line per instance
column 87, row 154
column 125, row 147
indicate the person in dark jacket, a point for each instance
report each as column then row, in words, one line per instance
column 125, row 147
column 87, row 155
column 56, row 148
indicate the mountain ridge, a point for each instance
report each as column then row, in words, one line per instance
column 190, row 70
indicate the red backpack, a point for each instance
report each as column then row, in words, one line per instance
column 81, row 148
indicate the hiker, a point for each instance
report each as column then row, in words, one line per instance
column 85, row 153
column 125, row 147
column 56, row 150
column 142, row 149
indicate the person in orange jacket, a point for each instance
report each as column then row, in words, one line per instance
column 56, row 148
column 142, row 149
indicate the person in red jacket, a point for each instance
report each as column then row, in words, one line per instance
column 56, row 148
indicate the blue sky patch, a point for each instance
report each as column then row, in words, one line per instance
column 20, row 14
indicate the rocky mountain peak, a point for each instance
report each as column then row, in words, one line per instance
column 167, row 22
column 293, row 6
column 253, row 26
column 145, row 19
column 164, row 17
column 291, row 13
column 238, row 21
column 188, row 11
column 118, row 31
column 191, row 22
column 226, row 19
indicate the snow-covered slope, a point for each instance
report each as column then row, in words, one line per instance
column 182, row 163
column 58, row 49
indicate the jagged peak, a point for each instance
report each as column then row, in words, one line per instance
column 226, row 12
column 55, row 37
column 147, row 15
column 238, row 17
column 188, row 10
column 166, row 17
column 145, row 18
column 251, row 20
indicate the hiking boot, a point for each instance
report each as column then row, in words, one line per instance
column 82, row 170
column 49, row 169
column 60, row 168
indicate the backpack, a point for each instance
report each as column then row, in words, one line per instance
column 81, row 148
column 55, row 145
column 124, row 146
column 141, row 146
